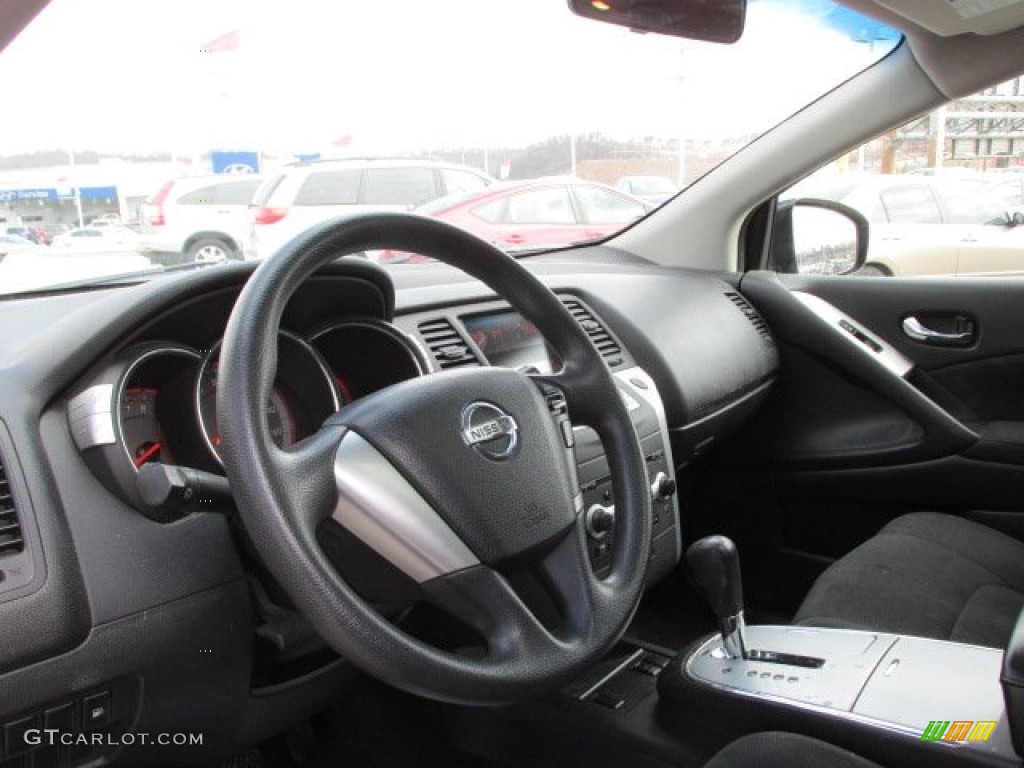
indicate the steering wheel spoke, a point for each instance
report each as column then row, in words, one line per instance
column 580, row 595
column 483, row 599
column 377, row 504
column 308, row 469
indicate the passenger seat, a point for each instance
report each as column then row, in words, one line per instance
column 925, row 574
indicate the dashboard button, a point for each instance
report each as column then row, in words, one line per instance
column 95, row 710
column 61, row 718
column 14, row 734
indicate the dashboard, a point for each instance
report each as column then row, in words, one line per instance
column 147, row 605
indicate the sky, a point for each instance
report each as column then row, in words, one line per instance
column 395, row 75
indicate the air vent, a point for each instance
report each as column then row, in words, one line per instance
column 446, row 345
column 606, row 345
column 11, row 541
column 751, row 314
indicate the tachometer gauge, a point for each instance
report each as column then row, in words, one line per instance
column 150, row 383
column 135, row 411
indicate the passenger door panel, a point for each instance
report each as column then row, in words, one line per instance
column 846, row 443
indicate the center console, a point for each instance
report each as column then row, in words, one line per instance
column 897, row 700
column 641, row 397
column 936, row 702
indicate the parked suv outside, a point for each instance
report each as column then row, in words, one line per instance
column 202, row 218
column 305, row 194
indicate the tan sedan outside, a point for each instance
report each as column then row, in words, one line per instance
column 925, row 225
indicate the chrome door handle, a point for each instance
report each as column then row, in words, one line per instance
column 916, row 330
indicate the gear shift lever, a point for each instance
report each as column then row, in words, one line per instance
column 715, row 565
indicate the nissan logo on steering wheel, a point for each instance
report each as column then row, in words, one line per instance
column 490, row 431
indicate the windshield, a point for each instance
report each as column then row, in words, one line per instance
column 648, row 185
column 331, row 108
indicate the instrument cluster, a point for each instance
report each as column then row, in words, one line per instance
column 156, row 403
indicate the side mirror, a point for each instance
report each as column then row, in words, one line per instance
column 1016, row 219
column 818, row 237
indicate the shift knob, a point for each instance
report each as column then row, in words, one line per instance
column 715, row 565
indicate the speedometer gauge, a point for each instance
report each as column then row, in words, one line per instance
column 303, row 395
column 280, row 420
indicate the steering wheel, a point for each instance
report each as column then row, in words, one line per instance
column 450, row 477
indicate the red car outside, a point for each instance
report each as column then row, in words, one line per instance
column 534, row 215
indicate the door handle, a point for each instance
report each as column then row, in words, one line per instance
column 962, row 336
column 514, row 238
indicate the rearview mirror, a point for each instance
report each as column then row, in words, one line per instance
column 818, row 237
column 717, row 21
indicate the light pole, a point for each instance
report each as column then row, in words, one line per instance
column 75, row 188
column 681, row 128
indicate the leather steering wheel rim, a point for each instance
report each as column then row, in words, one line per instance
column 283, row 495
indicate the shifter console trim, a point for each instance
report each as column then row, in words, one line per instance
column 876, row 680
column 849, row 660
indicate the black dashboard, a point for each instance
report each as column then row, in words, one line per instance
column 150, row 611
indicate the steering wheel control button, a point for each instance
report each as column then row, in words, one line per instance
column 489, row 430
column 567, row 437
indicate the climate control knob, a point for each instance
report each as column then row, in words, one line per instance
column 663, row 487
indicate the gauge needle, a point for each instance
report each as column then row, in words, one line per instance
column 149, row 453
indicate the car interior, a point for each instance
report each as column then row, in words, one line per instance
column 669, row 499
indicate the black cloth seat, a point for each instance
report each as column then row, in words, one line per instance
column 785, row 750
column 926, row 574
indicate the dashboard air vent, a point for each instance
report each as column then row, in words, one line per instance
column 751, row 314
column 11, row 541
column 448, row 348
column 606, row 345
